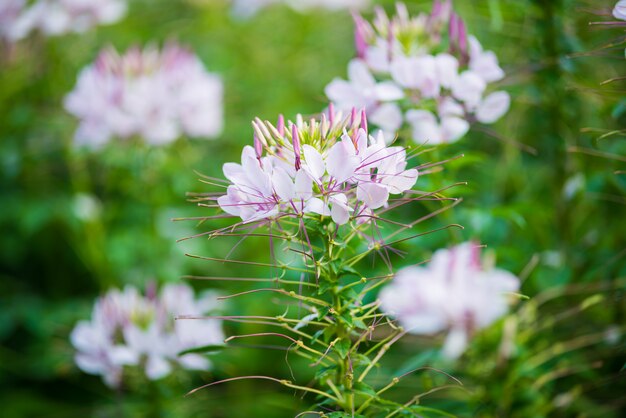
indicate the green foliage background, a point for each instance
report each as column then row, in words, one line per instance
column 552, row 214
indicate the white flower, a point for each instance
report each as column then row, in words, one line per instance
column 128, row 329
column 455, row 292
column 156, row 95
column 417, row 73
column 339, row 169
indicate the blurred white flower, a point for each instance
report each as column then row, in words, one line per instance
column 248, row 8
column 128, row 329
column 401, row 75
column 156, row 95
column 56, row 17
column 455, row 292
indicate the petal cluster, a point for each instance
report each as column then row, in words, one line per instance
column 456, row 292
column 157, row 95
column 425, row 72
column 129, row 329
column 328, row 167
column 55, row 17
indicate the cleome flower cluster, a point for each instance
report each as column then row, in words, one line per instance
column 329, row 167
column 424, row 72
column 455, row 292
column 129, row 329
column 154, row 94
column 19, row 18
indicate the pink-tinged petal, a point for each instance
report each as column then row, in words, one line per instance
column 469, row 88
column 359, row 74
column 486, row 66
column 373, row 195
column 401, row 182
column 387, row 91
column 387, row 117
column 303, row 185
column 453, row 128
column 425, row 127
column 233, row 172
column 493, row 107
column 157, row 367
column 447, row 69
column 318, row 206
column 228, row 204
column 339, row 214
column 91, row 364
column 619, row 11
column 123, row 356
column 340, row 91
column 283, row 185
column 314, row 162
column 340, row 164
column 256, row 215
column 450, row 107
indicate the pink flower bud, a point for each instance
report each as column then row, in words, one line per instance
column 296, row 146
column 364, row 120
column 331, row 114
column 280, row 126
column 258, row 147
column 360, row 35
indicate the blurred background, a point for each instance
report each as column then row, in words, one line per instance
column 546, row 194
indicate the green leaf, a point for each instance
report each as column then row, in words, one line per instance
column 364, row 388
column 323, row 372
column 342, row 347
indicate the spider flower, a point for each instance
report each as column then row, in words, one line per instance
column 329, row 166
column 425, row 72
column 129, row 329
column 455, row 292
column 152, row 94
column 57, row 17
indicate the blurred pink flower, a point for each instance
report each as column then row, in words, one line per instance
column 152, row 94
column 128, row 329
column 455, row 292
column 402, row 77
column 56, row 17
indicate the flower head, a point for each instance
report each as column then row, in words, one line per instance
column 128, row 329
column 456, row 292
column 329, row 166
column 157, row 95
column 425, row 64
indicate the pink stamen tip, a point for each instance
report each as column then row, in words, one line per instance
column 462, row 33
column 280, row 126
column 331, row 114
column 353, row 116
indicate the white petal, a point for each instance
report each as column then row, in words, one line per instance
column 303, row 185
column 157, row 367
column 339, row 214
column 455, row 344
column 447, row 69
column 359, row 74
column 469, row 88
column 314, row 161
column 388, row 91
column 318, row 206
column 340, row 163
column 283, row 185
column 493, row 107
column 453, row 128
column 388, row 117
column 401, row 182
column 372, row 194
column 425, row 127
